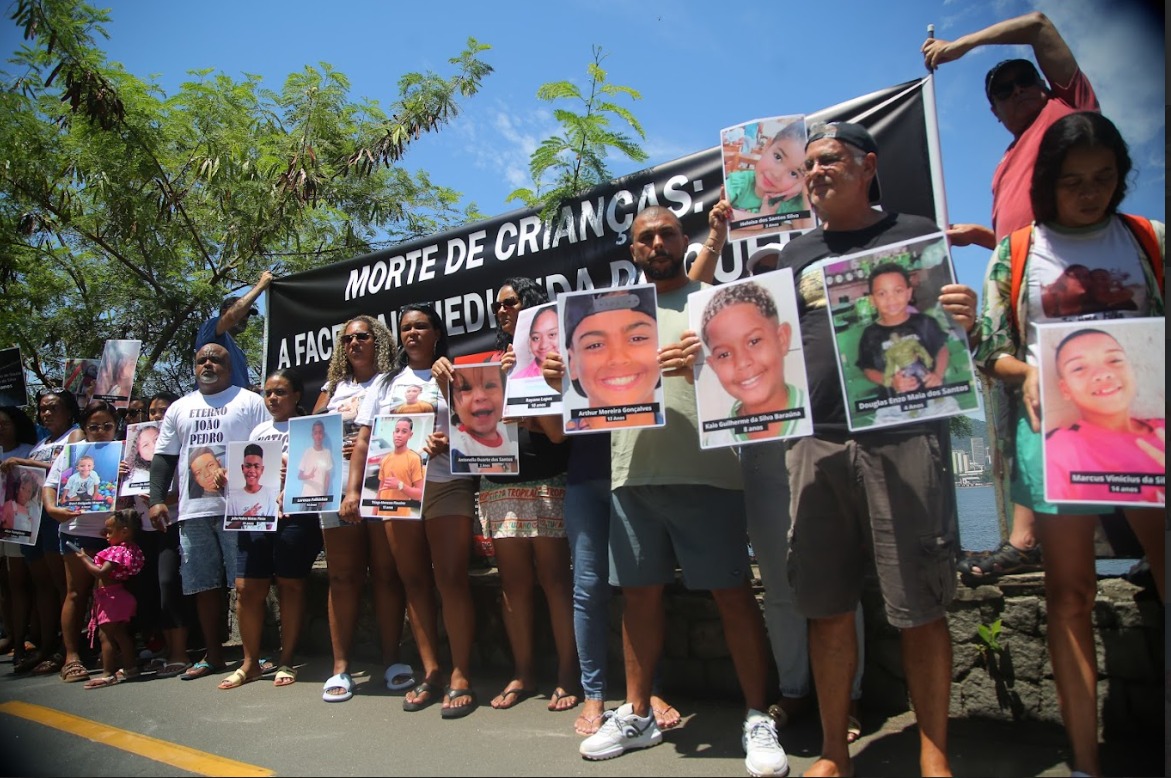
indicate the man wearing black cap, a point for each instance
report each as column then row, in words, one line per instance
column 233, row 320
column 884, row 494
column 1024, row 105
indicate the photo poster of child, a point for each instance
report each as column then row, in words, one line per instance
column 20, row 504
column 764, row 176
column 537, row 334
column 396, row 467
column 80, row 375
column 1104, row 411
column 89, row 480
column 252, row 502
column 610, row 351
column 116, row 370
column 140, row 450
column 481, row 442
column 13, row 390
column 750, row 383
column 901, row 357
column 313, row 477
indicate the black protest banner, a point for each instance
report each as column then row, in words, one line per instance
column 12, row 386
column 585, row 246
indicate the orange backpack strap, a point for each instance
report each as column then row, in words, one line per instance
column 1018, row 253
column 1148, row 241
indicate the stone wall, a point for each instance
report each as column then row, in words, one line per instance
column 1012, row 684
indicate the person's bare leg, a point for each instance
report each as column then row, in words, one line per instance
column 741, row 617
column 553, row 572
column 21, row 590
column 450, row 538
column 408, row 543
column 514, row 560
column 1148, row 526
column 209, row 604
column 389, row 599
column 251, row 594
column 927, row 665
column 833, row 654
column 79, row 583
column 346, row 556
column 1070, row 590
column 643, row 627
column 291, row 595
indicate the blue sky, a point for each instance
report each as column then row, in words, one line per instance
column 698, row 70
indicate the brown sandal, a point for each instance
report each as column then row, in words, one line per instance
column 73, row 672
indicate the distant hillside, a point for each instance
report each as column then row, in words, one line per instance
column 979, row 430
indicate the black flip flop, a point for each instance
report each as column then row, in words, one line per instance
column 417, row 704
column 462, row 710
column 517, row 695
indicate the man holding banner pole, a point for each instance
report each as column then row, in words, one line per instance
column 885, row 494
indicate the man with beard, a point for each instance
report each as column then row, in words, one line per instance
column 885, row 494
column 214, row 415
column 675, row 503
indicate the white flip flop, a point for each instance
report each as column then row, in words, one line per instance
column 399, row 670
column 341, row 680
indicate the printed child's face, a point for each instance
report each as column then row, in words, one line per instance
column 318, row 435
column 411, row 393
column 24, row 492
column 544, row 335
column 891, row 294
column 85, row 466
column 780, row 171
column 253, row 468
column 748, row 356
column 205, row 468
column 1096, row 376
column 402, row 434
column 478, row 398
column 1088, row 179
column 615, row 358
column 146, row 443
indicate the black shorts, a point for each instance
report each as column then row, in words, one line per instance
column 287, row 553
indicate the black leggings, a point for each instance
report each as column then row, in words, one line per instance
column 159, row 589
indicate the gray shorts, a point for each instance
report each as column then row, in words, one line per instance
column 881, row 497
column 207, row 554
column 700, row 527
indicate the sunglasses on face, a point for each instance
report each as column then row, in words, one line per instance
column 109, row 425
column 361, row 337
column 1002, row 90
column 507, row 302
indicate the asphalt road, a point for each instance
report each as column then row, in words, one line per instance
column 192, row 728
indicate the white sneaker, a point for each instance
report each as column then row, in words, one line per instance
column 620, row 732
column 764, row 753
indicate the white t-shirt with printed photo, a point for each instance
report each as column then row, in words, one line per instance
column 207, row 420
column 390, row 393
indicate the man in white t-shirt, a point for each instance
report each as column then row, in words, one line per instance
column 214, row 415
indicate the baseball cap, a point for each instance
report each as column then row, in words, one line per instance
column 757, row 256
column 580, row 307
column 230, row 300
column 857, row 136
column 1007, row 63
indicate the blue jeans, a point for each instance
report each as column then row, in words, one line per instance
column 587, row 525
column 766, row 503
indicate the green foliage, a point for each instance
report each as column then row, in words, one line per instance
column 961, row 426
column 567, row 164
column 990, row 636
column 128, row 213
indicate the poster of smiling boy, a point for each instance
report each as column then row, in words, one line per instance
column 20, row 504
column 480, row 440
column 750, row 383
column 1104, row 411
column 764, row 176
column 116, row 372
column 610, row 343
column 901, row 357
column 89, row 480
column 396, row 468
column 537, row 334
column 254, row 485
column 313, row 474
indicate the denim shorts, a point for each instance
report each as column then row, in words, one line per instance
column 91, row 545
column 207, row 554
column 287, row 553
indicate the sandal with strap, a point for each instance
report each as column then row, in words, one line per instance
column 73, row 672
column 1006, row 560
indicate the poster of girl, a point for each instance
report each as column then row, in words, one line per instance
column 20, row 504
column 140, row 450
column 537, row 335
column 480, row 440
column 764, row 176
column 115, row 377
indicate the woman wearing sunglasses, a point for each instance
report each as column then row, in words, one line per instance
column 365, row 351
column 99, row 422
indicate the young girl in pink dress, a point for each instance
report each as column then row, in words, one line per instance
column 113, row 604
